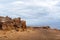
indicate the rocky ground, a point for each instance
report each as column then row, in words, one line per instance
column 31, row 34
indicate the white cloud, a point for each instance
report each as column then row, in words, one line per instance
column 17, row 2
column 1, row 6
column 36, row 3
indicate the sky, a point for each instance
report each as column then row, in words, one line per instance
column 35, row 12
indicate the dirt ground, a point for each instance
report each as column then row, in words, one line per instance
column 31, row 34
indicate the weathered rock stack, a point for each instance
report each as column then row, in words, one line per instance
column 7, row 23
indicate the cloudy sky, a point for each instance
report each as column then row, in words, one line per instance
column 35, row 12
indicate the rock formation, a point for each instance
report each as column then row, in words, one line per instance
column 46, row 27
column 7, row 23
column 23, row 24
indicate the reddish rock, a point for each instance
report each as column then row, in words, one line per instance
column 23, row 23
column 7, row 23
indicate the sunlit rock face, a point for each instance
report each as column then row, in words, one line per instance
column 7, row 23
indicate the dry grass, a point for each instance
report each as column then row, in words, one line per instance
column 31, row 34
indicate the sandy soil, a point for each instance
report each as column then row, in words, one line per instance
column 31, row 34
